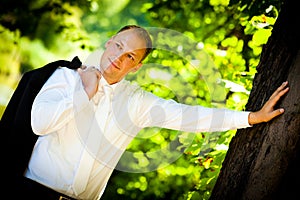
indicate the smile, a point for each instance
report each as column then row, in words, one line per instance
column 113, row 64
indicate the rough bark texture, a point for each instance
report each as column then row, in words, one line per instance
column 263, row 162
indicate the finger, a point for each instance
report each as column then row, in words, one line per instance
column 98, row 73
column 277, row 112
column 96, row 70
column 280, row 88
column 272, row 102
column 276, row 97
column 283, row 92
column 83, row 67
column 90, row 68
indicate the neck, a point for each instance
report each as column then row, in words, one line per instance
column 108, row 80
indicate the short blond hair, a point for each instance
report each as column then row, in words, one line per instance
column 144, row 34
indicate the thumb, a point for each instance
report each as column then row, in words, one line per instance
column 276, row 113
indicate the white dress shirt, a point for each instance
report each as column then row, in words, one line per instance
column 63, row 116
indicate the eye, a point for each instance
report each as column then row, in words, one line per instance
column 130, row 57
column 118, row 46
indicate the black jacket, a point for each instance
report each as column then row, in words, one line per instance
column 18, row 138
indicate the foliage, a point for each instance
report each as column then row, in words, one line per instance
column 27, row 16
column 206, row 53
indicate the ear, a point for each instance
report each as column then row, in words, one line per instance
column 108, row 42
column 137, row 67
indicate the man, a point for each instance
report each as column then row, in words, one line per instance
column 85, row 119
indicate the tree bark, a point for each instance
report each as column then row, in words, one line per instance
column 263, row 161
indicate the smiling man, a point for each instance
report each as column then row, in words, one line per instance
column 86, row 118
column 124, row 53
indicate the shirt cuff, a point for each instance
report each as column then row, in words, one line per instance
column 242, row 119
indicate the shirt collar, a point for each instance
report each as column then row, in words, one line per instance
column 103, row 82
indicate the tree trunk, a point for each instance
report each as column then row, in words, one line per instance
column 263, row 162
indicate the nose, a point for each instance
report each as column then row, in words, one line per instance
column 118, row 57
column 114, row 57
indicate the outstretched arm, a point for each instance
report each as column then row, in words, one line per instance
column 267, row 112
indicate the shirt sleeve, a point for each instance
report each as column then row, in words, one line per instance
column 61, row 97
column 169, row 114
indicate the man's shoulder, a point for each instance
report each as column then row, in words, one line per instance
column 126, row 85
column 64, row 71
column 134, row 90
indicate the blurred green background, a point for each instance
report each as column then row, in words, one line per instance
column 206, row 53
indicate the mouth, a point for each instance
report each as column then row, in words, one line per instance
column 112, row 63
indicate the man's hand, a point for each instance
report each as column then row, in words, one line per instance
column 90, row 77
column 267, row 112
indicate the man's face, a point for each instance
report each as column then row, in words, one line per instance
column 122, row 55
